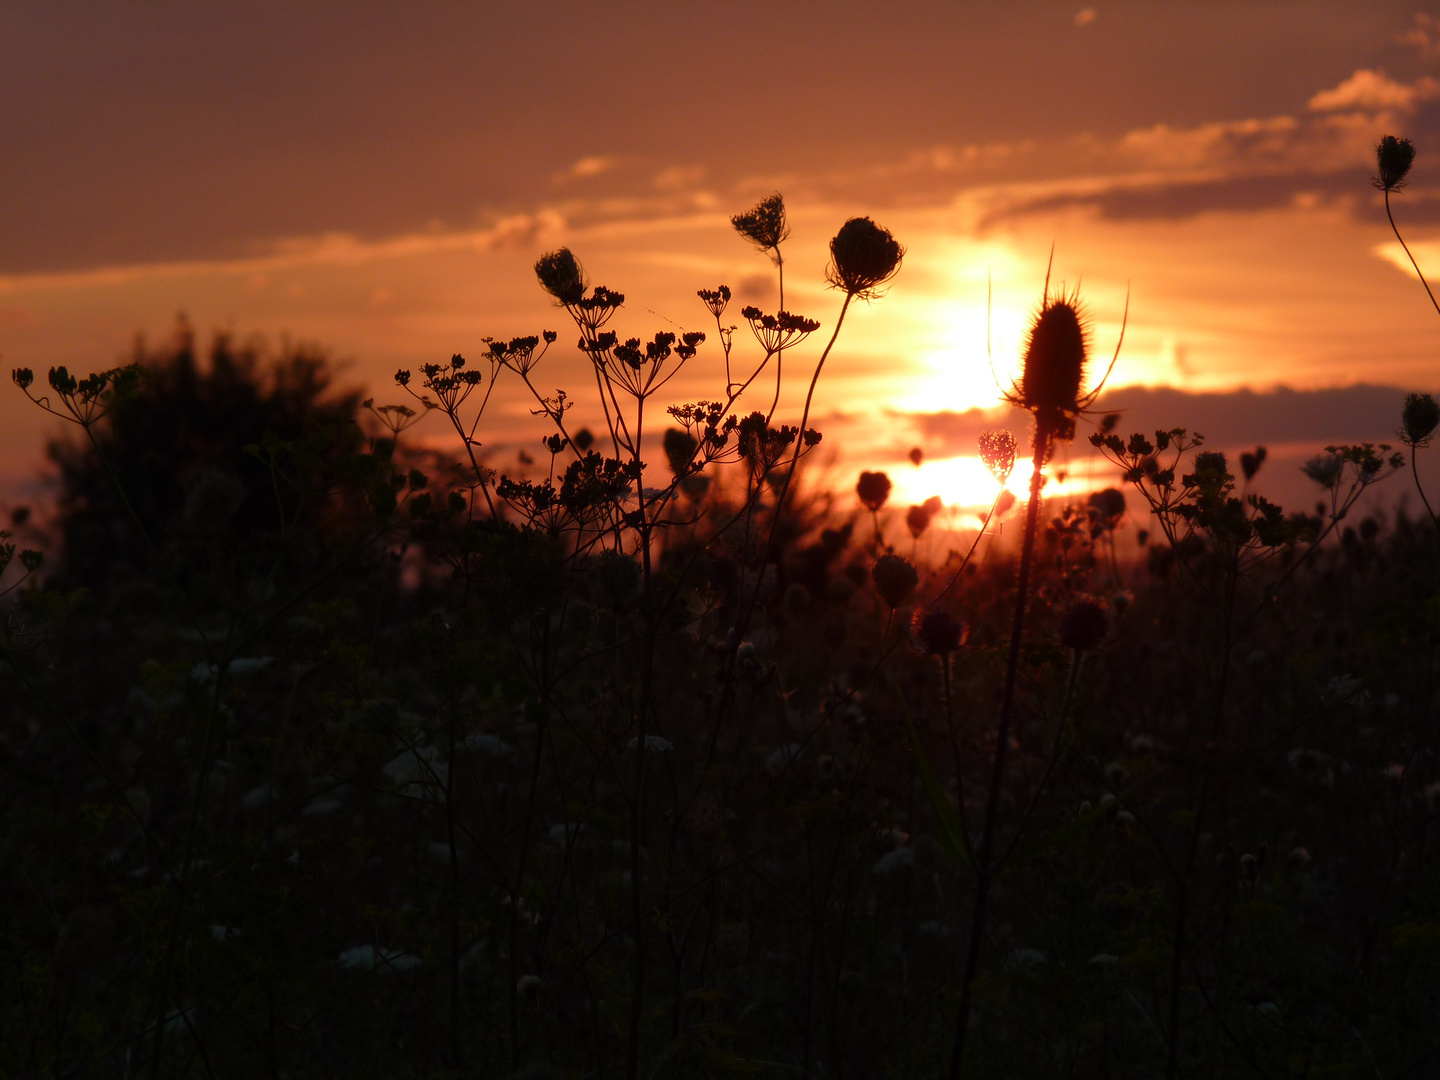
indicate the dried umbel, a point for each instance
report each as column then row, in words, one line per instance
column 938, row 632
column 873, row 489
column 1393, row 157
column 1056, row 353
column 561, row 276
column 895, row 579
column 997, row 451
column 1084, row 625
column 1419, row 419
column 764, row 223
column 863, row 257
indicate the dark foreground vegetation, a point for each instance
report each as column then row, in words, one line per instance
column 326, row 757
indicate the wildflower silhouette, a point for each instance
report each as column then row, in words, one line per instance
column 1051, row 389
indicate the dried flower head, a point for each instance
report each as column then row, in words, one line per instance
column 1419, row 419
column 1084, row 625
column 1393, row 157
column 863, row 257
column 764, row 223
column 715, row 299
column 938, row 632
column 997, row 451
column 873, row 489
column 1056, row 353
column 561, row 275
column 1250, row 462
column 895, row 579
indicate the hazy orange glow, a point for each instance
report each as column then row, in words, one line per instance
column 1234, row 212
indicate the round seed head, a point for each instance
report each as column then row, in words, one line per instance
column 1085, row 624
column 1419, row 419
column 938, row 632
column 873, row 489
column 895, row 579
column 1394, row 158
column 863, row 257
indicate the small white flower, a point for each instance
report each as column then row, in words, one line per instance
column 240, row 665
column 1268, row 1008
column 320, row 807
column 1103, row 960
column 223, row 933
column 1029, row 957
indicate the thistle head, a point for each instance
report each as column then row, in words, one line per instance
column 863, row 257
column 561, row 275
column 1393, row 157
column 1056, row 352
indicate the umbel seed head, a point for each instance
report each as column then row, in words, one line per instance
column 1055, row 357
column 1084, row 625
column 561, row 276
column 1419, row 419
column 863, row 257
column 895, row 579
column 764, row 223
column 1394, row 158
column 938, row 632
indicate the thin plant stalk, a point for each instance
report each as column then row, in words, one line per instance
column 984, row 864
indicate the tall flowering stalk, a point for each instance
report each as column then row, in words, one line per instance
column 1050, row 388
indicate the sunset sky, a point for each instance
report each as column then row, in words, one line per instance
column 379, row 179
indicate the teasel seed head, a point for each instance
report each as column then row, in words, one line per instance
column 1056, row 353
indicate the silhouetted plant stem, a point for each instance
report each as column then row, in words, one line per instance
column 984, row 862
column 1415, row 472
column 1411, row 257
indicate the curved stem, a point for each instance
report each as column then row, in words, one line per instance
column 1411, row 257
column 1415, row 472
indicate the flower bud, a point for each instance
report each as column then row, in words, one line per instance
column 763, row 224
column 863, row 257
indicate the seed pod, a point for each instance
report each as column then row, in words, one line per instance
column 1055, row 357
